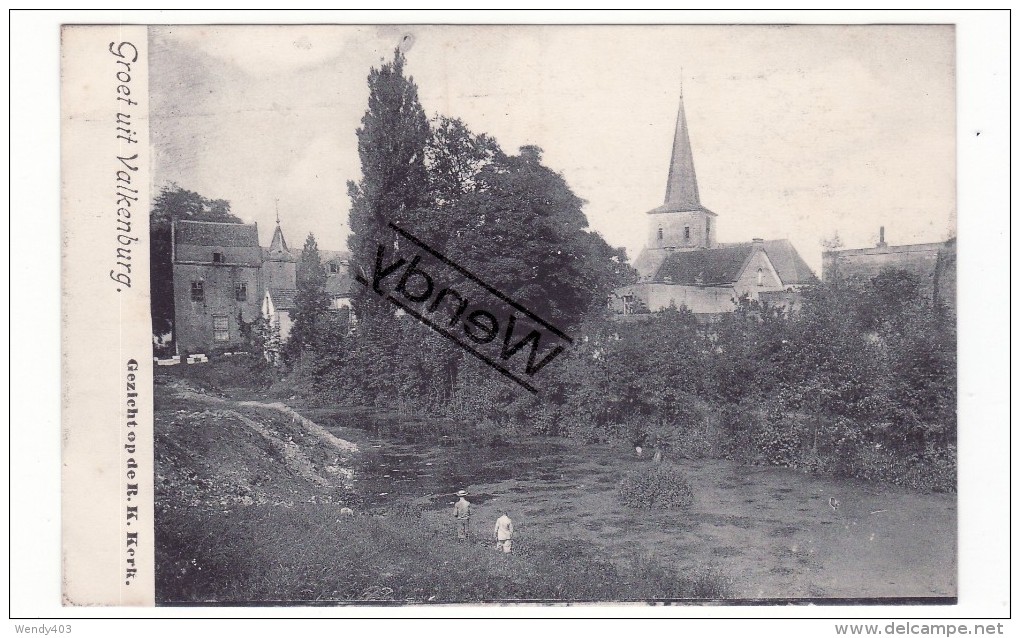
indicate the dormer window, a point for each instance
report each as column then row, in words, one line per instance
column 761, row 277
column 217, row 258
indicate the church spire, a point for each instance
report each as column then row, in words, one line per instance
column 682, row 185
column 279, row 244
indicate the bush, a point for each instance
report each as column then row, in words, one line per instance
column 693, row 431
column 762, row 433
column 660, row 486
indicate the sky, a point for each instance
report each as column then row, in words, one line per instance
column 798, row 132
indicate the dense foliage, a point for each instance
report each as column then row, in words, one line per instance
column 311, row 303
column 656, row 486
column 859, row 381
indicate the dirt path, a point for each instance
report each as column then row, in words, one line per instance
column 191, row 394
column 220, row 452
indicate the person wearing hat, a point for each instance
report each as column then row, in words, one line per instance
column 462, row 514
column 504, row 532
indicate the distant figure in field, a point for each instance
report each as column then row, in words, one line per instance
column 504, row 533
column 639, row 442
column 462, row 514
column 833, row 503
column 655, row 444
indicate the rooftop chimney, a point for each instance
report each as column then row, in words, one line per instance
column 881, row 237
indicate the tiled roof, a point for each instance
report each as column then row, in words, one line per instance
column 340, row 285
column 706, row 267
column 283, row 298
column 790, row 266
column 648, row 262
column 722, row 265
column 215, row 234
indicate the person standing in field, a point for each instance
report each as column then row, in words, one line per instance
column 504, row 533
column 655, row 443
column 462, row 514
column 639, row 442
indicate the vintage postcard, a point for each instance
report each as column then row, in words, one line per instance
column 421, row 314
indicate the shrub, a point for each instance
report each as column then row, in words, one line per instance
column 764, row 434
column 660, row 486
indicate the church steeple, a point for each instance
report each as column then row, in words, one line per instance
column 279, row 244
column 682, row 184
column 681, row 223
column 279, row 265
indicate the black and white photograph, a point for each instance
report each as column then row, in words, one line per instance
column 488, row 314
column 401, row 317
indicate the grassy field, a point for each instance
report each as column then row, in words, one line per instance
column 249, row 510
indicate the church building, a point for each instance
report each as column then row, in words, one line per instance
column 683, row 264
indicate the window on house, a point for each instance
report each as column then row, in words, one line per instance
column 761, row 277
column 217, row 258
column 197, row 291
column 241, row 292
column 221, row 328
column 708, row 228
column 687, row 233
column 334, row 268
column 660, row 233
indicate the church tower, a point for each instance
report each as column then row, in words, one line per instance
column 279, row 266
column 681, row 223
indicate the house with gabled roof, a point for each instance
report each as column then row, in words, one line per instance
column 277, row 306
column 682, row 264
column 224, row 279
column 217, row 274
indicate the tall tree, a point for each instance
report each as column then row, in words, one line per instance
column 174, row 203
column 311, row 302
column 522, row 230
column 455, row 158
column 394, row 185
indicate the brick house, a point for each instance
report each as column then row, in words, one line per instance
column 217, row 272
column 222, row 276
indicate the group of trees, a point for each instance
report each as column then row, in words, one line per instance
column 862, row 376
column 865, row 367
column 507, row 218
